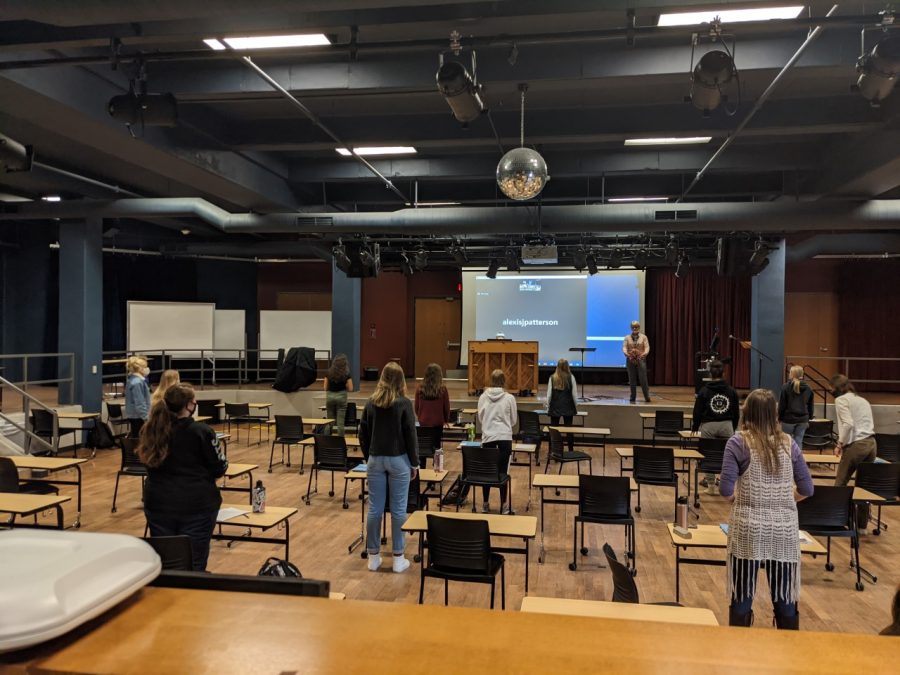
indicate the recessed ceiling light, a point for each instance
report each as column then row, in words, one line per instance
column 51, row 198
column 613, row 200
column 269, row 41
column 378, row 150
column 685, row 140
column 730, row 15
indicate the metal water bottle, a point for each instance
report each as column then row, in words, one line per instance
column 438, row 459
column 681, row 513
column 259, row 498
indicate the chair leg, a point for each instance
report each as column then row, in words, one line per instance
column 271, row 456
column 503, row 585
column 446, row 592
column 344, row 503
column 492, row 592
column 309, row 487
column 574, row 564
column 854, row 541
column 288, row 451
column 331, row 491
column 591, row 467
column 422, row 583
column 116, row 492
column 302, row 458
column 638, row 507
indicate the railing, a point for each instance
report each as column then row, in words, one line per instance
column 29, row 401
column 823, row 383
column 17, row 369
column 845, row 363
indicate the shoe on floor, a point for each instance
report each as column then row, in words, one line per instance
column 504, row 511
column 401, row 564
column 631, row 400
column 374, row 562
column 712, row 489
column 704, row 483
column 647, row 400
column 485, row 508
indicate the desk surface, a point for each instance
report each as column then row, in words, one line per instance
column 20, row 503
column 46, row 463
column 652, row 415
column 77, row 415
column 620, row 610
column 272, row 516
column 565, row 480
column 818, row 458
column 235, row 470
column 585, row 431
column 687, row 434
column 202, row 418
column 863, row 495
column 680, row 453
column 508, row 526
column 252, row 405
column 529, row 448
column 351, row 441
column 711, row 536
column 425, row 475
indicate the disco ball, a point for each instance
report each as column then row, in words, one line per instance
column 522, row 174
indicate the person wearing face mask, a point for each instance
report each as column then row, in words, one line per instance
column 183, row 461
column 137, row 394
column 636, row 348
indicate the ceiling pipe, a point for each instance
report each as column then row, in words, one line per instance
column 843, row 244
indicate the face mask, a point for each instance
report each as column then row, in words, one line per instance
column 192, row 409
column 145, row 372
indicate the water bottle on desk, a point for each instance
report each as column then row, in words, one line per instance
column 470, row 431
column 259, row 498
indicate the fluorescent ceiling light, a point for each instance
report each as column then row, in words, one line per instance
column 51, row 198
column 379, row 150
column 730, row 15
column 685, row 140
column 269, row 41
column 613, row 200
column 433, row 204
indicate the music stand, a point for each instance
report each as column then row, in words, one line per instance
column 583, row 351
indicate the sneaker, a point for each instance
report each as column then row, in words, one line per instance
column 401, row 564
column 704, row 483
column 374, row 562
column 712, row 489
column 505, row 510
column 631, row 400
column 485, row 508
column 646, row 399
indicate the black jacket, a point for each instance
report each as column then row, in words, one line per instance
column 795, row 408
column 389, row 432
column 185, row 483
column 716, row 402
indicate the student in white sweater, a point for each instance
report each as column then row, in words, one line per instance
column 497, row 416
column 856, row 430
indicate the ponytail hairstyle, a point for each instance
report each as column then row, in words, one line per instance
column 156, row 434
column 433, row 382
column 562, row 378
column 796, row 374
column 166, row 380
column 391, row 386
column 761, row 430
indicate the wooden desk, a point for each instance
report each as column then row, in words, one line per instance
column 712, row 536
column 527, row 448
column 351, row 441
column 19, row 504
column 81, row 416
column 274, row 516
column 263, row 418
column 202, row 418
column 258, row 406
column 587, row 431
column 236, row 471
column 600, row 609
column 831, row 461
column 52, row 465
column 521, row 527
column 223, row 438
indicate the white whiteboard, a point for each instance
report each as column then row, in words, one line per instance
column 178, row 328
column 229, row 334
column 285, row 329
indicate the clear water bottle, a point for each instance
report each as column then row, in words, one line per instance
column 438, row 459
column 259, row 498
column 470, row 431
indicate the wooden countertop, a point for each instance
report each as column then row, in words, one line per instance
column 620, row 610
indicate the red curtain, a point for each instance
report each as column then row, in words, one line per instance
column 681, row 315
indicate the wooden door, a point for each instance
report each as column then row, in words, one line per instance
column 437, row 326
column 811, row 330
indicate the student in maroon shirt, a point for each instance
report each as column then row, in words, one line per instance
column 433, row 402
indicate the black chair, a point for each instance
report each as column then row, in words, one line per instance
column 888, row 447
column 558, row 453
column 713, row 451
column 654, row 466
column 819, row 435
column 330, row 454
column 175, row 552
column 884, row 480
column 239, row 413
column 115, row 417
column 460, row 550
column 530, row 432
column 238, row 583
column 829, row 513
column 667, row 424
column 208, row 408
column 624, row 588
column 480, row 467
column 42, row 427
column 131, row 466
column 9, row 481
column 604, row 500
column 351, row 418
column 288, row 432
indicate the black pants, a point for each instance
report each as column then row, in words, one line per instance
column 505, row 448
column 197, row 526
column 136, row 425
column 567, row 421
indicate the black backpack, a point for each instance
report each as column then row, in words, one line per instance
column 101, row 436
column 276, row 567
column 456, row 495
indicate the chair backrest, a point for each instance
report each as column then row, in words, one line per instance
column 130, row 459
column 9, row 475
column 830, row 506
column 604, row 496
column 668, row 421
column 289, row 427
column 624, row 588
column 331, row 452
column 427, row 440
column 114, row 412
column 480, row 465
column 238, row 583
column 42, row 422
column 819, row 434
column 237, row 409
column 654, row 464
column 350, row 417
column 529, row 425
column 455, row 544
column 880, row 478
column 207, row 407
column 713, row 451
column 888, row 447
column 557, row 447
column 175, row 552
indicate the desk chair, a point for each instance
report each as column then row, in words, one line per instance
column 239, row 413
column 288, row 432
column 667, row 424
column 9, row 481
column 238, row 583
column 207, row 408
column 42, row 427
column 480, row 467
column 428, row 443
column 558, row 453
column 654, row 466
column 624, row 588
column 829, row 513
column 460, row 550
column 351, row 418
column 330, row 454
column 115, row 417
column 819, row 435
column 530, row 432
column 888, row 447
column 884, row 481
column 175, row 552
column 713, row 451
column 604, row 500
column 131, row 466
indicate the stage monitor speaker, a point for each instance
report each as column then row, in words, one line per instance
column 732, row 257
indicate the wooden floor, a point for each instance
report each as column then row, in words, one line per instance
column 321, row 532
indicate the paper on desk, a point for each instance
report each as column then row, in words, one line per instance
column 471, row 444
column 231, row 512
column 362, row 468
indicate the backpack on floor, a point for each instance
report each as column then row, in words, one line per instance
column 276, row 567
column 100, row 436
column 456, row 495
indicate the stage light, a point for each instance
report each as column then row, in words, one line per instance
column 458, row 254
column 615, row 260
column 878, row 70
column 522, row 173
column 591, row 261
column 492, row 268
column 579, row 259
column 341, row 259
column 672, row 251
column 151, row 110
column 759, row 259
column 420, row 259
column 14, row 156
column 405, row 266
column 460, row 90
column 727, row 16
column 626, row 200
column 512, row 260
column 714, row 70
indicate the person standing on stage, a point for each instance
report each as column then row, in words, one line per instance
column 636, row 348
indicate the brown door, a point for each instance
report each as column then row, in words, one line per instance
column 437, row 333
column 811, row 331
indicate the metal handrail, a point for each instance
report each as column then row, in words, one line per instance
column 847, row 360
column 821, row 383
column 27, row 401
column 25, row 382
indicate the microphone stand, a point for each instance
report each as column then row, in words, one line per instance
column 759, row 358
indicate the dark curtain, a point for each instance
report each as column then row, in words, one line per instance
column 681, row 315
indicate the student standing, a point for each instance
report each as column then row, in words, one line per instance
column 561, row 390
column 764, row 475
column 497, row 416
column 636, row 348
column 856, row 430
column 387, row 435
column 433, row 403
column 137, row 394
column 795, row 406
column 716, row 413
column 183, row 462
column 166, row 380
column 337, row 383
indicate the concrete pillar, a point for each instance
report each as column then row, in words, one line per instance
column 346, row 309
column 767, row 324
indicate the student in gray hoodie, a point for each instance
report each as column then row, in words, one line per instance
column 497, row 417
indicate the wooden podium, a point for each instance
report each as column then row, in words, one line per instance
column 518, row 360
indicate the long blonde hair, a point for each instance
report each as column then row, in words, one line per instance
column 136, row 365
column 562, row 378
column 796, row 375
column 761, row 430
column 433, row 382
column 156, row 434
column 391, row 386
column 168, row 379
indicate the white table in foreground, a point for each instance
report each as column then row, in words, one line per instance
column 620, row 610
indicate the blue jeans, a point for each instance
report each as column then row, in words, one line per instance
column 384, row 471
column 796, row 431
column 197, row 526
column 744, row 605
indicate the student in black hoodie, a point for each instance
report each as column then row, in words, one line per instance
column 716, row 413
column 795, row 407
